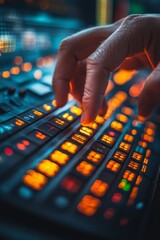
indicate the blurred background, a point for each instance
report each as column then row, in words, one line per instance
column 33, row 29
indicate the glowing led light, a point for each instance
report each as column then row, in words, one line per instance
column 117, row 126
column 117, row 197
column 123, row 76
column 88, row 205
column 85, row 168
column 59, row 157
column 18, row 60
column 69, row 147
column 34, row 179
column 99, row 188
column 94, row 156
column 15, row 70
column 129, row 138
column 48, row 168
column 8, row 151
column 26, row 67
column 120, row 156
column 37, row 74
column 47, row 107
column 122, row 118
column 6, row 74
column 113, row 166
column 76, row 110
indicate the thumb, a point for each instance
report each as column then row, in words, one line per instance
column 150, row 95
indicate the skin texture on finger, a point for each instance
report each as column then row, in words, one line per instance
column 128, row 40
column 150, row 95
column 72, row 50
column 108, row 56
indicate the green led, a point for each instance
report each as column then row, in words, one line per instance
column 127, row 187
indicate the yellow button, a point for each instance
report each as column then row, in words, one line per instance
column 69, row 147
column 59, row 157
column 99, row 188
column 48, row 168
column 34, row 179
column 76, row 110
column 85, row 168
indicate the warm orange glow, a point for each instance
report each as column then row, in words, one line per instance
column 6, row 74
column 85, row 168
column 47, row 107
column 138, row 180
column 117, row 126
column 134, row 132
column 120, row 156
column 34, row 179
column 15, row 70
column 113, row 166
column 143, row 144
column 107, row 139
column 150, row 131
column 148, row 153
column 132, row 196
column 128, row 138
column 37, row 113
column 86, row 131
column 145, row 161
column 68, row 117
column 76, row 110
column 109, row 87
column 79, row 138
column 99, row 188
column 26, row 67
column 123, row 76
column 136, row 89
column 54, row 103
column 125, row 146
column 147, row 138
column 19, row 122
column 40, row 135
column 128, row 111
column 137, row 156
column 144, row 168
column 88, row 205
column 48, row 168
column 59, row 157
column 129, row 176
column 99, row 119
column 122, row 118
column 94, row 125
column 133, row 165
column 69, row 147
column 94, row 156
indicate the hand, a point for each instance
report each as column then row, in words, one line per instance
column 86, row 59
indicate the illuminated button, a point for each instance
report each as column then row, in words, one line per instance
column 94, row 126
column 99, row 119
column 38, row 137
column 117, row 197
column 113, row 166
column 25, row 192
column 98, row 147
column 134, row 165
column 46, row 108
column 67, row 116
column 147, row 138
column 69, row 147
column 59, row 122
column 128, row 138
column 128, row 111
column 85, row 169
column 149, row 131
column 138, row 180
column 122, row 118
column 94, row 157
column 129, row 175
column 76, row 110
column 48, row 168
column 117, row 126
column 151, row 125
column 148, row 153
column 71, row 184
column 133, row 132
column 142, row 144
column 35, row 180
column 124, row 185
column 59, row 157
column 144, row 168
column 11, row 126
column 120, row 156
column 108, row 140
column 146, row 160
column 86, row 131
column 137, row 156
column 88, row 205
column 31, row 115
column 24, row 145
column 132, row 196
column 79, row 138
column 125, row 147
column 99, row 188
column 49, row 129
